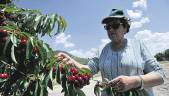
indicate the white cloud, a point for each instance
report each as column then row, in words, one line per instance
column 84, row 54
column 62, row 38
column 138, row 24
column 155, row 41
column 134, row 13
column 140, row 3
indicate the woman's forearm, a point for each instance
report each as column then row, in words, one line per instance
column 152, row 79
column 77, row 64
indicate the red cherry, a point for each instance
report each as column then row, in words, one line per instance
column 80, row 79
column 54, row 68
column 73, row 70
column 86, row 77
column 1, row 75
column 4, row 76
column 4, row 32
column 71, row 78
column 35, row 50
column 61, row 69
column 24, row 40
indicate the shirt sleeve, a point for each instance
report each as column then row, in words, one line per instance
column 150, row 63
column 94, row 65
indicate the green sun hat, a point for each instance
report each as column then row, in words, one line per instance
column 115, row 13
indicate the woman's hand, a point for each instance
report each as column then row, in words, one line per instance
column 125, row 83
column 65, row 58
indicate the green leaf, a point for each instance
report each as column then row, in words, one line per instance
column 50, row 85
column 37, row 20
column 13, row 54
column 59, row 25
column 28, row 48
column 105, row 80
column 58, row 74
column 64, row 83
column 43, row 53
column 85, row 71
column 13, row 39
column 53, row 20
column 11, row 9
column 107, row 90
column 37, row 89
column 11, row 27
column 26, row 84
column 31, row 40
column 96, row 90
column 6, row 45
column 64, row 25
column 71, row 90
column 80, row 92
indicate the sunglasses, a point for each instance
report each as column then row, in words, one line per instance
column 113, row 25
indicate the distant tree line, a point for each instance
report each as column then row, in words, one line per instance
column 163, row 56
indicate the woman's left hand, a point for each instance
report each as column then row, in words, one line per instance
column 124, row 83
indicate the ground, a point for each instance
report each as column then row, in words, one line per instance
column 161, row 90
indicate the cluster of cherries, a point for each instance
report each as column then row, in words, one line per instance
column 4, row 75
column 75, row 77
column 79, row 80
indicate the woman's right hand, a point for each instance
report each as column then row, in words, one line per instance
column 65, row 58
column 70, row 61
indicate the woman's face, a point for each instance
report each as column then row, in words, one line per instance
column 115, row 30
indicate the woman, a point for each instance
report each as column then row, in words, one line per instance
column 126, row 63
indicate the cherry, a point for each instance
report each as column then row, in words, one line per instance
column 4, row 32
column 80, row 79
column 4, row 75
column 35, row 50
column 73, row 70
column 24, row 40
column 62, row 70
column 54, row 68
column 71, row 78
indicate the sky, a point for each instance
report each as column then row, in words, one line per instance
column 85, row 35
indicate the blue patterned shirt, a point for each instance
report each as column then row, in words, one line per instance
column 133, row 59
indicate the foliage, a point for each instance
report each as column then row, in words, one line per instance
column 23, row 56
column 166, row 53
column 162, row 56
column 159, row 56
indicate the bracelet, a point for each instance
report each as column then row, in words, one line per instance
column 141, row 83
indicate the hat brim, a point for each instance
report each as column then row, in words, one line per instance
column 107, row 19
